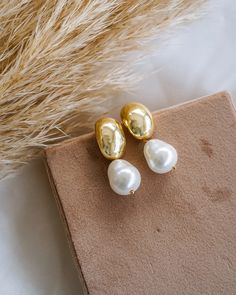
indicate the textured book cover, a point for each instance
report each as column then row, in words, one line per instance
column 177, row 234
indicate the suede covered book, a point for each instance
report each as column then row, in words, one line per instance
column 177, row 234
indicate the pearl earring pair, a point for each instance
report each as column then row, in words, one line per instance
column 161, row 157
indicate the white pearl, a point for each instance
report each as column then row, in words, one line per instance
column 160, row 156
column 124, row 178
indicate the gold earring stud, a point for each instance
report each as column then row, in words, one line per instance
column 138, row 119
column 161, row 157
column 110, row 138
column 124, row 178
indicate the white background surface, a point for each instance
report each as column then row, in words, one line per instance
column 34, row 257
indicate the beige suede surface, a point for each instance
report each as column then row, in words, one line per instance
column 177, row 234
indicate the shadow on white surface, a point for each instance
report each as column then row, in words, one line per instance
column 198, row 60
column 34, row 255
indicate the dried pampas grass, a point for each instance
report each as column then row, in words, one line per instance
column 60, row 59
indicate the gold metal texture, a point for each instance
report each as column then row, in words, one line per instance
column 110, row 138
column 138, row 119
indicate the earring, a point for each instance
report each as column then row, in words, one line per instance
column 124, row 178
column 161, row 157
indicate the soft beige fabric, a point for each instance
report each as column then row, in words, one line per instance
column 177, row 235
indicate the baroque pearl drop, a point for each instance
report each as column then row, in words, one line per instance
column 160, row 156
column 124, row 178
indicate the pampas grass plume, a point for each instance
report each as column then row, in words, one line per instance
column 60, row 59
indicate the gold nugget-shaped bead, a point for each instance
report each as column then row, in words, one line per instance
column 110, row 138
column 138, row 119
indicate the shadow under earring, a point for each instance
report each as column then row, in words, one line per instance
column 161, row 157
column 124, row 178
